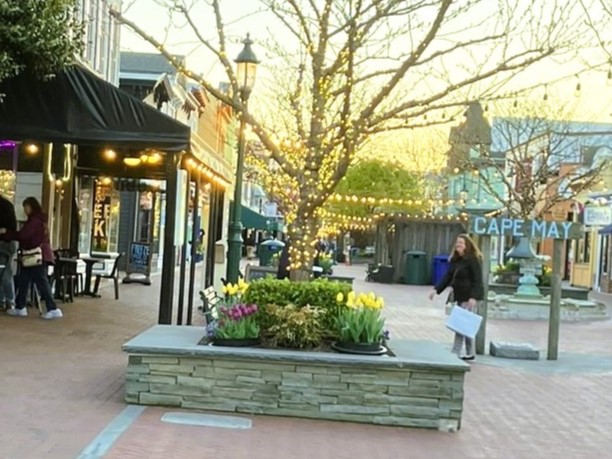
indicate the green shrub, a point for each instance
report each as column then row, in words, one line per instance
column 294, row 327
column 320, row 293
column 509, row 268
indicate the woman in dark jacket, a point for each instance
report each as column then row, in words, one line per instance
column 465, row 278
column 32, row 235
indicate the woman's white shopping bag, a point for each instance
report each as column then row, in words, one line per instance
column 464, row 322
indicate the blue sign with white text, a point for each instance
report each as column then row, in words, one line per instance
column 533, row 229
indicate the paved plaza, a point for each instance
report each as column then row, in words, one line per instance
column 61, row 386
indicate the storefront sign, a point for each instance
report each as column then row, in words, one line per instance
column 101, row 218
column 139, row 261
column 598, row 216
column 533, row 229
column 132, row 185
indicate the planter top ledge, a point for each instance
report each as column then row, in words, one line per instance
column 183, row 340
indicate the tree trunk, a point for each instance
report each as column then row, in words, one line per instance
column 303, row 234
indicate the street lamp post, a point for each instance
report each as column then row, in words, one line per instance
column 246, row 69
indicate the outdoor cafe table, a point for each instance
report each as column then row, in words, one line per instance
column 89, row 264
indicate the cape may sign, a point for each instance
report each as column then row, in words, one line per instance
column 533, row 229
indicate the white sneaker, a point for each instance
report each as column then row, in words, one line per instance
column 17, row 312
column 53, row 314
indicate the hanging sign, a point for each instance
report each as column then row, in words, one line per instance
column 533, row 229
column 101, row 218
column 598, row 216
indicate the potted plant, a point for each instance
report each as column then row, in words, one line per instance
column 236, row 325
column 327, row 264
column 508, row 273
column 359, row 324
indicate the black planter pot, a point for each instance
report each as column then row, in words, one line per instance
column 360, row 348
column 247, row 342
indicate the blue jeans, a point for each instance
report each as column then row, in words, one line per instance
column 37, row 275
column 7, row 281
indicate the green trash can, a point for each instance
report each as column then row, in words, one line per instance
column 416, row 269
column 268, row 249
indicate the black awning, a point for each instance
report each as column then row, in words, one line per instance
column 78, row 107
column 606, row 230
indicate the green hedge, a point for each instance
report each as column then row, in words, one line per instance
column 320, row 293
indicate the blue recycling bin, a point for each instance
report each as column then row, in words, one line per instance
column 439, row 269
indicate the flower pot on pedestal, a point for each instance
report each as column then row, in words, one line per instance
column 245, row 342
column 359, row 348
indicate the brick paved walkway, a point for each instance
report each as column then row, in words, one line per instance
column 61, row 384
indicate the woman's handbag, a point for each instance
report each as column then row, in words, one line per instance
column 31, row 258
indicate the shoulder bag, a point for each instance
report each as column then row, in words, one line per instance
column 31, row 257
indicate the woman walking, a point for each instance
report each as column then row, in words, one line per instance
column 33, row 237
column 465, row 278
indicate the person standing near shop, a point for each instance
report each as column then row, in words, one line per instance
column 8, row 249
column 33, row 237
column 464, row 276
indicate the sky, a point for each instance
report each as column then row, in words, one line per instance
column 592, row 103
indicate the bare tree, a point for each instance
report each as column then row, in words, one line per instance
column 598, row 16
column 344, row 71
column 537, row 159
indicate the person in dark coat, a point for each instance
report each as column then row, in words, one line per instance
column 8, row 249
column 283, row 262
column 34, row 234
column 464, row 276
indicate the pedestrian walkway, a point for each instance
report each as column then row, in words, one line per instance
column 62, row 384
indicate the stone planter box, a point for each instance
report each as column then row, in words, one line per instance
column 420, row 386
column 575, row 293
column 508, row 278
column 345, row 279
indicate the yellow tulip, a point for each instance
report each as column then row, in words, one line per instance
column 340, row 298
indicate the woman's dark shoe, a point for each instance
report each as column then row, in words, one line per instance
column 468, row 357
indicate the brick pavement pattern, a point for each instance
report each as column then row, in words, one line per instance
column 62, row 383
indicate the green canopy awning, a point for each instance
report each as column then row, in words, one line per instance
column 254, row 220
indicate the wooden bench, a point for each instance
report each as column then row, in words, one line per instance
column 210, row 301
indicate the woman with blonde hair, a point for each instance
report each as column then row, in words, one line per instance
column 464, row 276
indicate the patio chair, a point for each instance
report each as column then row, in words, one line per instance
column 114, row 275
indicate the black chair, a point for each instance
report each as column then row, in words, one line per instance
column 114, row 275
column 71, row 268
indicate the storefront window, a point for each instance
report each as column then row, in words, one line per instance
column 85, row 205
column 605, row 254
column 584, row 249
column 99, row 213
column 113, row 224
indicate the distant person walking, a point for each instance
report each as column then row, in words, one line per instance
column 8, row 249
column 33, row 237
column 284, row 262
column 464, row 276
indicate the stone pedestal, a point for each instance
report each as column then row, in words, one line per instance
column 523, row 351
